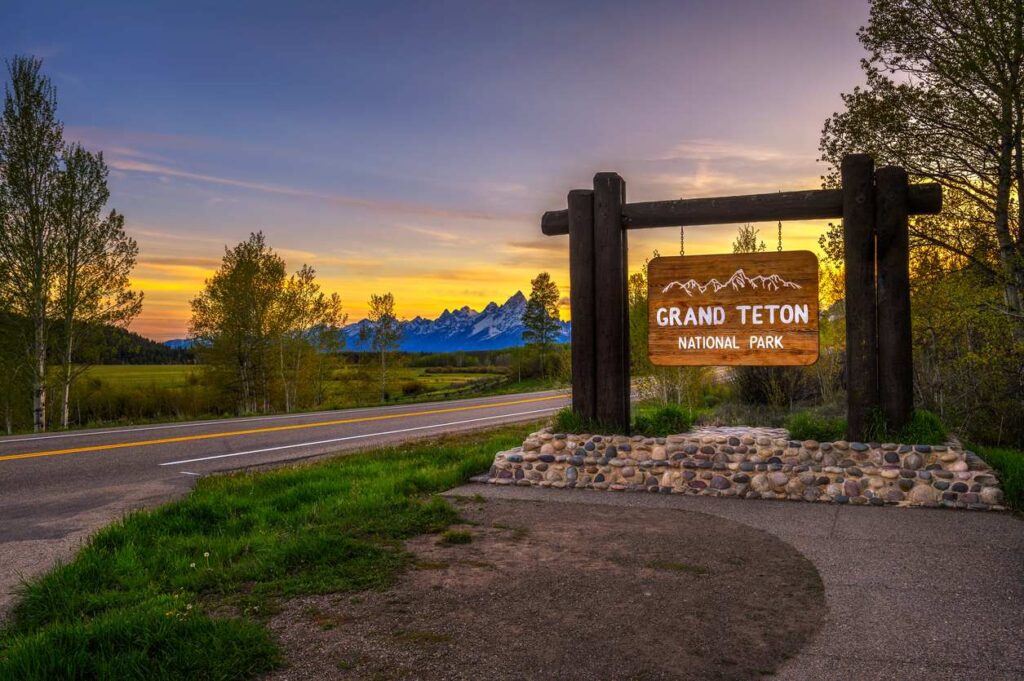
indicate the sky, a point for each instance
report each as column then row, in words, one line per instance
column 412, row 147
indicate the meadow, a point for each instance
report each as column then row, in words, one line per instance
column 132, row 394
column 181, row 375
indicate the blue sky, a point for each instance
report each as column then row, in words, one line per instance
column 412, row 146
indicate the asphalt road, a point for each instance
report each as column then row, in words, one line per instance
column 57, row 488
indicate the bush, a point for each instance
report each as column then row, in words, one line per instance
column 663, row 420
column 413, row 387
column 806, row 425
column 775, row 386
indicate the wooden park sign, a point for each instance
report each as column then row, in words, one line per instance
column 874, row 207
column 746, row 309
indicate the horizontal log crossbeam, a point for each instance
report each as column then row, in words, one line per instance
column 817, row 204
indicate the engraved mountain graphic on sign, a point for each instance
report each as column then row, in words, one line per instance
column 737, row 282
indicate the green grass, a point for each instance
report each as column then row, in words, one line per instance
column 650, row 419
column 143, row 375
column 453, row 537
column 675, row 566
column 924, row 428
column 662, row 419
column 1009, row 463
column 806, row 425
column 137, row 601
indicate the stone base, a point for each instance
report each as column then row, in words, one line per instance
column 754, row 466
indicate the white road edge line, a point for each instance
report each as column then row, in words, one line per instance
column 357, row 437
column 198, row 475
column 127, row 430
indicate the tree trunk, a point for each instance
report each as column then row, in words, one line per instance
column 383, row 391
column 39, row 377
column 66, row 397
column 284, row 379
column 1007, row 246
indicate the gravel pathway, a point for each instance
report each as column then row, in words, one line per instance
column 550, row 591
column 912, row 594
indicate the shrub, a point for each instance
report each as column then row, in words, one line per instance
column 775, row 386
column 413, row 387
column 663, row 420
column 806, row 425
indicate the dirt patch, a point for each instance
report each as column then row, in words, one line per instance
column 580, row 592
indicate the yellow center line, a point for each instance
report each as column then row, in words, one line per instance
column 269, row 429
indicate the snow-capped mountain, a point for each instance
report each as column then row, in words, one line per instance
column 737, row 282
column 493, row 328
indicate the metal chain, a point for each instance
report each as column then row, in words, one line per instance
column 780, row 236
column 682, row 241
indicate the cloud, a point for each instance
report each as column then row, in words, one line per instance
column 436, row 234
column 716, row 150
column 132, row 165
column 182, row 261
column 544, row 244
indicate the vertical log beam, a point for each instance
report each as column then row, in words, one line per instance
column 895, row 354
column 857, row 171
column 581, row 301
column 611, row 313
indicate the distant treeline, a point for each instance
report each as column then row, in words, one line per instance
column 106, row 345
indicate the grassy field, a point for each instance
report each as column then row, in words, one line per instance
column 143, row 375
column 182, row 591
column 177, row 375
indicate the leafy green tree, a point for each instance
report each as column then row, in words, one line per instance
column 306, row 326
column 383, row 332
column 944, row 97
column 31, row 139
column 746, row 240
column 540, row 318
column 233, row 320
column 94, row 260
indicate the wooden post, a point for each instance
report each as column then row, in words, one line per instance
column 857, row 172
column 581, row 300
column 610, row 303
column 895, row 354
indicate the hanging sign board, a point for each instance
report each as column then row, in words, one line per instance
column 744, row 309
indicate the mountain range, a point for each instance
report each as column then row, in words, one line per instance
column 737, row 282
column 493, row 328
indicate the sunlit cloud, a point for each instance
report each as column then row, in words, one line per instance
column 435, row 234
column 716, row 150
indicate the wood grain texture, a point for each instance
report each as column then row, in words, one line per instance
column 612, row 328
column 895, row 345
column 802, row 205
column 581, row 300
column 729, row 281
column 858, row 179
